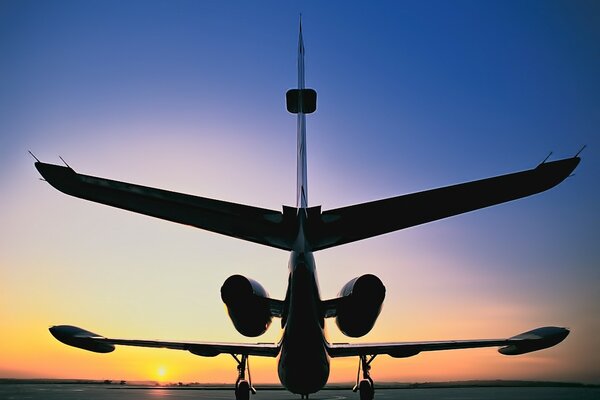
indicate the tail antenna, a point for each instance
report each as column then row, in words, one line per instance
column 36, row 159
column 546, row 159
column 580, row 150
column 63, row 160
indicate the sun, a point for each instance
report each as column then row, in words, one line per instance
column 161, row 372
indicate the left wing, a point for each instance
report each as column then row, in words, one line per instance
column 258, row 225
column 533, row 340
column 77, row 337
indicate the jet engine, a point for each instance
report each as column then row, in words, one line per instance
column 359, row 305
column 247, row 305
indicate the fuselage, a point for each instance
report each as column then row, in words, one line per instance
column 303, row 364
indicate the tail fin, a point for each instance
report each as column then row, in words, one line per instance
column 301, row 101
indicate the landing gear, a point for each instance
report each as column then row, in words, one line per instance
column 243, row 387
column 365, row 386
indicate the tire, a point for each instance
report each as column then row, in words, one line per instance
column 242, row 391
column 366, row 390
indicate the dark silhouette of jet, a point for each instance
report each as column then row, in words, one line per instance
column 304, row 352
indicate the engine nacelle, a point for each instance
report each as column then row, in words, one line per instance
column 359, row 305
column 247, row 305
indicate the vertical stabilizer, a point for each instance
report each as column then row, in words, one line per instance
column 301, row 101
column 301, row 189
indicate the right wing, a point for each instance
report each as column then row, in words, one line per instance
column 361, row 221
column 77, row 337
column 254, row 224
column 537, row 339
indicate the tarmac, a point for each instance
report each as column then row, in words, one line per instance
column 116, row 392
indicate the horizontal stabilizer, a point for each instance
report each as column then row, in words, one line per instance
column 86, row 340
column 301, row 101
column 536, row 339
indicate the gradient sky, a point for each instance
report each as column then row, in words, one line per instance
column 189, row 96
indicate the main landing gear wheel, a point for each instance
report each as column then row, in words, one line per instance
column 365, row 386
column 243, row 387
column 242, row 390
column 366, row 390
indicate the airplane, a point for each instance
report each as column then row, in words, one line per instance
column 303, row 353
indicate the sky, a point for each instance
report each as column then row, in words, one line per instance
column 190, row 96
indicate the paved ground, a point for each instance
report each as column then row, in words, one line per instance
column 113, row 392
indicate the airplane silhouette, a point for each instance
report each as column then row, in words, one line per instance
column 303, row 351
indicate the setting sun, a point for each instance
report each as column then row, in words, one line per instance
column 161, row 372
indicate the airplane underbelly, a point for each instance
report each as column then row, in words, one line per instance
column 305, row 369
column 303, row 365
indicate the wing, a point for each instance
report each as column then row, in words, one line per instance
column 361, row 221
column 533, row 340
column 77, row 337
column 254, row 224
column 324, row 230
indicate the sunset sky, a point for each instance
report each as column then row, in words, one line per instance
column 189, row 96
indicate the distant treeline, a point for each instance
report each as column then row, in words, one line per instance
column 333, row 386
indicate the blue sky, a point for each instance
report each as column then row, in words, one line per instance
column 189, row 96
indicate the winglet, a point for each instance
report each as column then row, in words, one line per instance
column 77, row 337
column 537, row 339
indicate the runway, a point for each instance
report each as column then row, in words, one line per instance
column 113, row 392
